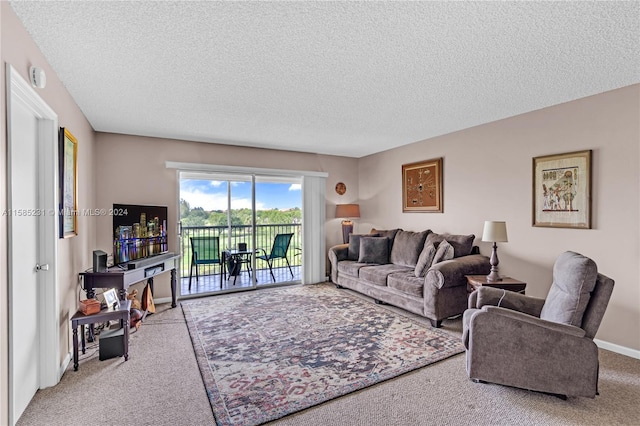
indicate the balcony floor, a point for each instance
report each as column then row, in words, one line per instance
column 210, row 283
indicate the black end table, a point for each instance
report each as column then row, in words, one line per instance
column 79, row 319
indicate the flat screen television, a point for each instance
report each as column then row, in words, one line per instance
column 139, row 232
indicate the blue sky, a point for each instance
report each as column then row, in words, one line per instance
column 212, row 195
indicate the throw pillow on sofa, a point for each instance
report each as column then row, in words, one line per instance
column 407, row 246
column 374, row 250
column 354, row 245
column 445, row 252
column 462, row 244
column 389, row 233
column 425, row 260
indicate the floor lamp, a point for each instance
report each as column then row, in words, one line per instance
column 347, row 212
column 495, row 232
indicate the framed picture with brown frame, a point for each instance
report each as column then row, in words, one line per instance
column 562, row 190
column 422, row 186
column 68, row 152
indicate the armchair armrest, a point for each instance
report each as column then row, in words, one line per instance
column 510, row 300
column 548, row 326
column 452, row 273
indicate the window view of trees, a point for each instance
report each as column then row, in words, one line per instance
column 197, row 216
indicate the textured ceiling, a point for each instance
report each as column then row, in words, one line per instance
column 344, row 78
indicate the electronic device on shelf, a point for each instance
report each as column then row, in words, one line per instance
column 99, row 261
column 139, row 233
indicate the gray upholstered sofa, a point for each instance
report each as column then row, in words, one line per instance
column 422, row 272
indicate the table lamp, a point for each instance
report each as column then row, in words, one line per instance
column 347, row 211
column 495, row 232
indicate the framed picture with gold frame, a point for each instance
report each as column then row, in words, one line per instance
column 562, row 190
column 422, row 186
column 68, row 160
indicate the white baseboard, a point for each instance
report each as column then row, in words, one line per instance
column 622, row 350
column 64, row 365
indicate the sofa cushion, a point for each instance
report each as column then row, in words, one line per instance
column 377, row 274
column 354, row 245
column 374, row 250
column 444, row 252
column 406, row 282
column 350, row 267
column 574, row 278
column 407, row 247
column 424, row 260
column 462, row 244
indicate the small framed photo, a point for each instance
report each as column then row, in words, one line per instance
column 111, row 299
column 422, row 186
column 562, row 190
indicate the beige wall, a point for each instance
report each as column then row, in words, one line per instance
column 132, row 170
column 488, row 176
column 19, row 50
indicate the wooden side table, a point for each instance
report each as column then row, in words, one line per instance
column 474, row 282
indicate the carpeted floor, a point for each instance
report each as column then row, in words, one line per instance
column 263, row 355
column 161, row 385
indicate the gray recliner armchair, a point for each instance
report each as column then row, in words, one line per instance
column 543, row 345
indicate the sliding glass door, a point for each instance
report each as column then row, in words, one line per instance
column 278, row 229
column 254, row 223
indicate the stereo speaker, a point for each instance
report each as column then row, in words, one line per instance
column 99, row 261
column 111, row 344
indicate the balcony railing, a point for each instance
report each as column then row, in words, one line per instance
column 230, row 237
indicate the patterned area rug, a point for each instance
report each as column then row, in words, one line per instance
column 269, row 353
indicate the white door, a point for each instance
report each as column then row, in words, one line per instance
column 24, row 257
column 33, row 320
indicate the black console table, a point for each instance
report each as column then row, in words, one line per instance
column 140, row 270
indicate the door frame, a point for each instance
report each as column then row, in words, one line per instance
column 18, row 91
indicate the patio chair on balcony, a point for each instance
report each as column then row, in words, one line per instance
column 278, row 251
column 204, row 251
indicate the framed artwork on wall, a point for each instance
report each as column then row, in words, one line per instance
column 422, row 186
column 68, row 159
column 562, row 190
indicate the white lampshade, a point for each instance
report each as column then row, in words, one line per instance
column 495, row 231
